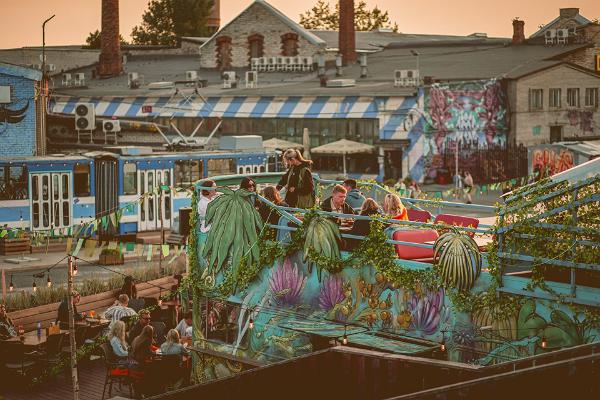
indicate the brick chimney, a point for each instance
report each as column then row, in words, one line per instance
column 518, row 31
column 569, row 12
column 111, row 62
column 214, row 19
column 347, row 35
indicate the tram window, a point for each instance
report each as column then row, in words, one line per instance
column 65, row 187
column 13, row 183
column 221, row 166
column 36, row 215
column 187, row 172
column 81, row 180
column 129, row 178
column 220, row 322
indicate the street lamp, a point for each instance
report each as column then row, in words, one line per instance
column 44, row 45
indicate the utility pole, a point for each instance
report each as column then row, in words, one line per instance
column 73, row 345
column 43, row 93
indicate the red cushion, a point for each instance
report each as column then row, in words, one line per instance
column 119, row 372
column 418, row 215
column 414, row 236
column 457, row 220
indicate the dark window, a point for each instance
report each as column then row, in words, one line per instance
column 554, row 100
column 220, row 166
column 536, row 99
column 289, row 45
column 81, row 180
column 13, row 183
column 223, row 52
column 130, row 178
column 573, row 97
column 187, row 172
column 255, row 46
column 591, row 97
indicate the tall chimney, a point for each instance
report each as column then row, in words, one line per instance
column 347, row 36
column 518, row 31
column 111, row 63
column 214, row 19
column 568, row 12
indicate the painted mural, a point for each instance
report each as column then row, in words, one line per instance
column 470, row 114
column 584, row 120
column 280, row 315
column 549, row 161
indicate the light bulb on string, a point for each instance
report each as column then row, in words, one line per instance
column 345, row 340
column 34, row 287
column 11, row 287
column 160, row 298
column 251, row 324
column 74, row 269
column 443, row 345
column 49, row 281
column 544, row 342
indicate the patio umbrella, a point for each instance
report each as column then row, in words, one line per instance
column 306, row 143
column 280, row 144
column 344, row 147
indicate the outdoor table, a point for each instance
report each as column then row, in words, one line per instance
column 32, row 339
column 96, row 321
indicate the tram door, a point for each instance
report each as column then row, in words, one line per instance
column 51, row 195
column 107, row 197
column 152, row 214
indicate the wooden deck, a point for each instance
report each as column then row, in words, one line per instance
column 91, row 383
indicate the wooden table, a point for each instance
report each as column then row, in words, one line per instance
column 95, row 321
column 32, row 339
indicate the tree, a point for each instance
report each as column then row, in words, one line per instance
column 166, row 21
column 94, row 41
column 321, row 16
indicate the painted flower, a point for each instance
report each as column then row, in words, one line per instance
column 427, row 311
column 287, row 284
column 331, row 292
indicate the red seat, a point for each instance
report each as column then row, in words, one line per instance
column 421, row 236
column 418, row 215
column 457, row 220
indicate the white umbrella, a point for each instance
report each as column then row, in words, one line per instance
column 344, row 147
column 306, row 143
column 280, row 144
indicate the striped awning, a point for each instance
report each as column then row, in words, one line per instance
column 224, row 107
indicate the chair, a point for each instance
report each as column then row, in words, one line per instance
column 115, row 372
column 51, row 356
column 458, row 220
column 16, row 361
column 80, row 332
column 419, row 215
column 93, row 332
column 173, row 372
column 420, row 236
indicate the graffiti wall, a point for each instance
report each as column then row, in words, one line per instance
column 468, row 116
column 289, row 312
column 547, row 161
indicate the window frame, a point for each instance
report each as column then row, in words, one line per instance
column 595, row 97
column 553, row 100
column 534, row 95
column 135, row 180
column 570, row 98
column 76, row 182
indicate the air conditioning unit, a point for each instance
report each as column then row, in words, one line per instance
column 67, row 79
column 562, row 35
column 50, row 67
column 85, row 117
column 111, row 125
column 406, row 77
column 229, row 79
column 251, row 79
column 191, row 75
column 133, row 80
column 80, row 79
column 550, row 35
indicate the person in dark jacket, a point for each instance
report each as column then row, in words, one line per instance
column 63, row 311
column 362, row 227
column 337, row 201
column 269, row 214
column 354, row 197
column 298, row 180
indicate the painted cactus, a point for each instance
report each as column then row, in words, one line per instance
column 287, row 283
column 427, row 311
column 331, row 292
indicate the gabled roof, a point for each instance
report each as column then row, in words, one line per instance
column 281, row 16
column 580, row 19
column 20, row 71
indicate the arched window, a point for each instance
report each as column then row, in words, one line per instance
column 289, row 44
column 223, row 52
column 255, row 46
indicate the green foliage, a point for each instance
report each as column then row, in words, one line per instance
column 322, row 16
column 321, row 243
column 166, row 21
column 94, row 41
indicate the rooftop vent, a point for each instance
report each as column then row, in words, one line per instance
column 478, row 35
column 161, row 85
column 338, row 83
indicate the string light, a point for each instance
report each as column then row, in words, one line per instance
column 74, row 269
column 49, row 281
column 160, row 298
column 34, row 287
column 11, row 287
column 443, row 343
column 251, row 324
column 345, row 337
column 544, row 343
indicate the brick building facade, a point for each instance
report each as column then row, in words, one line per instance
column 259, row 31
column 18, row 120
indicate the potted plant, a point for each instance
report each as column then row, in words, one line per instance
column 111, row 257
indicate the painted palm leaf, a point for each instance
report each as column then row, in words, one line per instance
column 458, row 259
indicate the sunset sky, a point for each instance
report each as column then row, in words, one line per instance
column 22, row 19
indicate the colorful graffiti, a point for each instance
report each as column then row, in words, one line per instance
column 582, row 119
column 548, row 161
column 472, row 114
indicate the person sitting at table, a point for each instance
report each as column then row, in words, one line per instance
column 63, row 311
column 119, row 310
column 141, row 348
column 129, row 288
column 362, row 227
column 337, row 201
column 142, row 322
column 117, row 340
column 354, row 197
column 173, row 346
column 7, row 327
column 184, row 328
column 393, row 207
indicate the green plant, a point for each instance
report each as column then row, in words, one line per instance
column 234, row 229
column 110, row 252
column 458, row 259
column 321, row 243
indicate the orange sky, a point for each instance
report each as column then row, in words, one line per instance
column 22, row 19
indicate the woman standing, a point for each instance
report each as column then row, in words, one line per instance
column 297, row 180
column 393, row 207
column 468, row 180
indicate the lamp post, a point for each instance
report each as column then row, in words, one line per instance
column 44, row 46
column 43, row 94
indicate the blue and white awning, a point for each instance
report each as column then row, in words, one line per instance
column 224, row 107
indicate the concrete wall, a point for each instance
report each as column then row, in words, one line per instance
column 255, row 20
column 18, row 139
column 533, row 127
column 63, row 59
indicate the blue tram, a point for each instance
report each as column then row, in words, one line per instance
column 59, row 191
